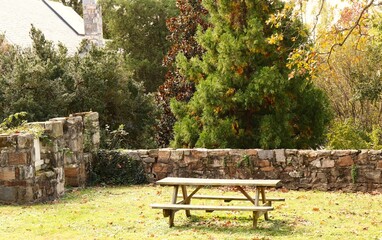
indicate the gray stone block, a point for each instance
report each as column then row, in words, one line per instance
column 280, row 155
column 316, row 163
column 327, row 163
column 374, row 175
column 266, row 154
column 149, row 160
column 8, row 194
column 3, row 159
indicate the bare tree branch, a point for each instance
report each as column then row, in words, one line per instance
column 317, row 18
column 356, row 24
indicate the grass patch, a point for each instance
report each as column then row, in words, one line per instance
column 124, row 213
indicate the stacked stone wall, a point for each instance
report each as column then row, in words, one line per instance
column 22, row 178
column 346, row 170
column 35, row 170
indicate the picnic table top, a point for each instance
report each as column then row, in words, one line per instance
column 172, row 181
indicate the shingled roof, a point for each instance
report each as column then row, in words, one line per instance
column 57, row 22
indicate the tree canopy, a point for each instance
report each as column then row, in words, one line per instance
column 248, row 91
column 137, row 28
column 348, row 70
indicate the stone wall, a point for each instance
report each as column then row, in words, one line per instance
column 24, row 178
column 80, row 136
column 34, row 170
column 347, row 170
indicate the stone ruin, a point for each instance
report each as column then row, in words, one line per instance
column 35, row 170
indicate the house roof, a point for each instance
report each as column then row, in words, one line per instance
column 57, row 22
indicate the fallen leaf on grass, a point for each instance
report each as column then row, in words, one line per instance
column 280, row 206
column 354, row 232
column 302, row 197
column 316, row 209
column 227, row 224
column 301, row 221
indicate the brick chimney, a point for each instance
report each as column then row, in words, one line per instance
column 92, row 14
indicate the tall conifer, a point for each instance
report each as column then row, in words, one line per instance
column 248, row 92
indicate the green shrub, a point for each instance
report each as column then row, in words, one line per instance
column 116, row 168
column 16, row 123
column 375, row 137
column 13, row 121
column 46, row 82
column 347, row 135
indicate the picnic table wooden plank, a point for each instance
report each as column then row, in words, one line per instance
column 233, row 198
column 171, row 181
column 210, row 207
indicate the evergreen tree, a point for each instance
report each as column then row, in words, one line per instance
column 248, row 93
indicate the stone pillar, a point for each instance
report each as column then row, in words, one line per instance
column 91, row 142
column 50, row 172
column 72, row 150
column 81, row 139
column 92, row 15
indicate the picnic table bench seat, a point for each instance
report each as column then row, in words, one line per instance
column 209, row 208
column 170, row 209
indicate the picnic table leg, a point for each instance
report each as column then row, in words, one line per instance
column 186, row 200
column 255, row 217
column 255, row 201
column 171, row 218
column 246, row 195
column 262, row 191
column 173, row 201
column 257, row 197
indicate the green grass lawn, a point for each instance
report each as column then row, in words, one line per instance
column 124, row 213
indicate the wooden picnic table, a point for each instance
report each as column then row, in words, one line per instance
column 239, row 184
